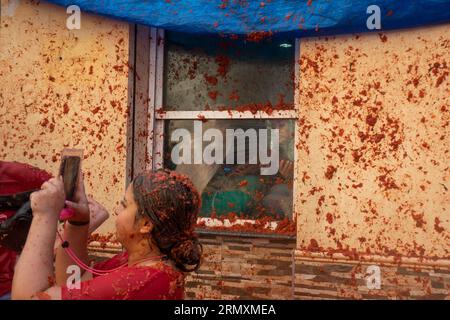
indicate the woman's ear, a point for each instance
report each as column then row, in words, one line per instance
column 146, row 226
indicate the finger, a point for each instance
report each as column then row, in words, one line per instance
column 53, row 182
column 35, row 196
column 73, row 205
column 45, row 185
column 50, row 185
column 80, row 209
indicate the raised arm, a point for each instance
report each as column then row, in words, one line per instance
column 98, row 214
column 35, row 265
column 76, row 234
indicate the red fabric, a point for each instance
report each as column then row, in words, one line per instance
column 159, row 282
column 15, row 177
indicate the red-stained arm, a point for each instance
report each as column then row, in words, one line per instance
column 35, row 265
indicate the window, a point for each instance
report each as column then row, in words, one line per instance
column 224, row 115
column 216, row 73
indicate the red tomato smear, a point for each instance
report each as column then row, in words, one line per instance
column 329, row 218
column 202, row 118
column 103, row 239
column 213, row 95
column 437, row 227
column 419, row 219
column 223, row 63
column 259, row 36
column 243, row 183
column 284, row 226
column 330, row 172
column 210, row 79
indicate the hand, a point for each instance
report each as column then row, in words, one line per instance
column 80, row 203
column 286, row 169
column 97, row 211
column 244, row 169
column 48, row 201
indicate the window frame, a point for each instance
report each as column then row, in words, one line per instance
column 157, row 116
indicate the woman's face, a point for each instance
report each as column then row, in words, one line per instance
column 126, row 228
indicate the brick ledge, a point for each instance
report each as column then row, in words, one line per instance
column 302, row 255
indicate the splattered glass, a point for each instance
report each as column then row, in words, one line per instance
column 240, row 189
column 217, row 73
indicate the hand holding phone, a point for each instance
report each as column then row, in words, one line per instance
column 49, row 200
column 76, row 208
column 69, row 170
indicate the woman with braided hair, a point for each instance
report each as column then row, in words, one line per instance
column 154, row 224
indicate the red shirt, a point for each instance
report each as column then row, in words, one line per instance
column 15, row 177
column 159, row 282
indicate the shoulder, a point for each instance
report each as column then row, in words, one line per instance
column 114, row 262
column 131, row 283
column 160, row 271
column 159, row 281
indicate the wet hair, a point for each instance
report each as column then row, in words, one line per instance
column 172, row 203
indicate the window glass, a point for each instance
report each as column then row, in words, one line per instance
column 217, row 73
column 242, row 168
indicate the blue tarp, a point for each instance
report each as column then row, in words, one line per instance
column 286, row 18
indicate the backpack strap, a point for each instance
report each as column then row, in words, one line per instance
column 15, row 201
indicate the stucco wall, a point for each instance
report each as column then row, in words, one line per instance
column 374, row 143
column 65, row 88
column 374, row 113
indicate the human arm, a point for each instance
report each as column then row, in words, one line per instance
column 35, row 265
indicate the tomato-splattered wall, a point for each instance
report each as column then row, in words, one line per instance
column 374, row 149
column 65, row 88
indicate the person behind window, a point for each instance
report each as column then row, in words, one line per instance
column 233, row 190
column 240, row 189
column 154, row 224
column 278, row 200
